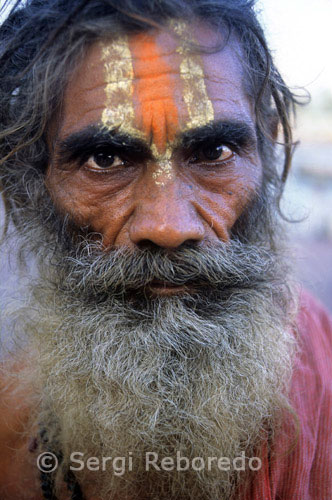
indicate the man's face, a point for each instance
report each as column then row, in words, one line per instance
column 155, row 147
column 156, row 143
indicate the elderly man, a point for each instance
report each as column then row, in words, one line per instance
column 164, row 351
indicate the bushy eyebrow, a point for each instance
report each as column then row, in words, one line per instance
column 239, row 135
column 81, row 144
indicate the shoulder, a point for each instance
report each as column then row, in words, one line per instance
column 314, row 331
column 299, row 461
column 312, row 313
column 304, row 474
column 311, row 390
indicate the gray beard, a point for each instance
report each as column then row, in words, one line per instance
column 121, row 372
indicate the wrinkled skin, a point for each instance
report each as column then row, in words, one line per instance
column 168, row 195
column 142, row 200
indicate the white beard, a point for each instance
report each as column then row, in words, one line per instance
column 116, row 382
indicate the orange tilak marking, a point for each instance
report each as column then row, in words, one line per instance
column 157, row 114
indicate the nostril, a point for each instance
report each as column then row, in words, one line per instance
column 148, row 245
column 165, row 227
column 190, row 243
column 153, row 247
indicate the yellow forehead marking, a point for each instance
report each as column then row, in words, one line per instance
column 199, row 106
column 164, row 170
column 119, row 110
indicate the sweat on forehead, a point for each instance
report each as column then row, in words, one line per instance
column 152, row 85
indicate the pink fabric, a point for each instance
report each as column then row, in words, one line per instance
column 305, row 472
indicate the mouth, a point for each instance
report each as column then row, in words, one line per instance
column 164, row 288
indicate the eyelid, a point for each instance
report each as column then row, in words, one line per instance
column 126, row 154
column 197, row 153
column 97, row 168
column 81, row 154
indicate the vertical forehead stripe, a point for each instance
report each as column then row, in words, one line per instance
column 156, row 113
column 119, row 110
column 199, row 106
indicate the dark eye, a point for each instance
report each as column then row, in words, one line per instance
column 103, row 160
column 214, row 153
column 220, row 152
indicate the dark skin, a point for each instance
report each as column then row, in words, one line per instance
column 131, row 200
column 158, row 181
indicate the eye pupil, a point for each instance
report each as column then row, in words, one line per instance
column 104, row 160
column 213, row 153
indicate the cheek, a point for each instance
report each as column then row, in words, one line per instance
column 91, row 201
column 223, row 195
column 106, row 203
column 64, row 193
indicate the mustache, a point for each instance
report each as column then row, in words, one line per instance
column 218, row 266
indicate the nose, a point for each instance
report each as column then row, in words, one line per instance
column 167, row 218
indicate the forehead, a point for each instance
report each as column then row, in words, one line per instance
column 156, row 84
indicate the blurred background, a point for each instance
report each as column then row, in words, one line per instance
column 300, row 35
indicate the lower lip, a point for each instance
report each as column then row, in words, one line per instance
column 165, row 289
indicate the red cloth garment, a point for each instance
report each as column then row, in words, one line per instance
column 304, row 471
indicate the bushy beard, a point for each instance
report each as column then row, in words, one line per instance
column 125, row 372
column 121, row 371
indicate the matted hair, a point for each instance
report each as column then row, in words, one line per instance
column 41, row 40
